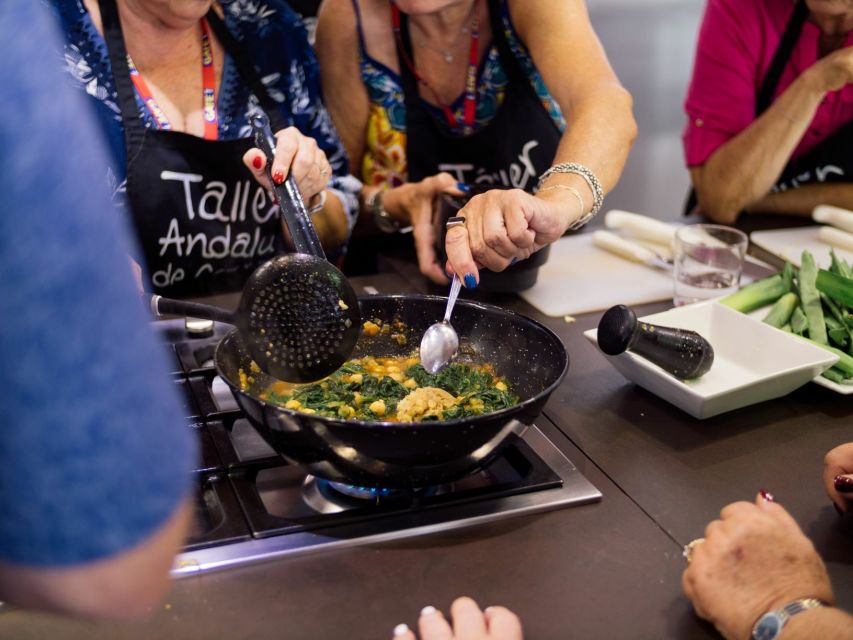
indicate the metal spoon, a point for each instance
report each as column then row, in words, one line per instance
column 440, row 341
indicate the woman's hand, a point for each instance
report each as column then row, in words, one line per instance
column 506, row 225
column 838, row 475
column 835, row 70
column 469, row 623
column 414, row 203
column 754, row 559
column 296, row 152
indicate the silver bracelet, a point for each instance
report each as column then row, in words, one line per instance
column 591, row 181
column 570, row 189
column 319, row 206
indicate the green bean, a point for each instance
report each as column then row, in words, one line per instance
column 811, row 299
column 799, row 324
column 780, row 313
column 835, row 375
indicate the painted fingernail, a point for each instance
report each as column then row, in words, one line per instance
column 428, row 611
column 401, row 630
column 470, row 281
column 844, row 484
column 838, row 510
column 278, row 176
column 464, row 188
column 513, row 261
column 766, row 496
column 257, row 162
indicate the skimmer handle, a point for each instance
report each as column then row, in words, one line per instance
column 290, row 201
column 451, row 298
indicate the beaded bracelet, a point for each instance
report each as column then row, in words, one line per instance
column 591, row 181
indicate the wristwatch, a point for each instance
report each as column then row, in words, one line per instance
column 769, row 626
column 382, row 218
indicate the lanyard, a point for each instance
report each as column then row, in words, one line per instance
column 208, row 76
column 470, row 105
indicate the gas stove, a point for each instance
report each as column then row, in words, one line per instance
column 251, row 505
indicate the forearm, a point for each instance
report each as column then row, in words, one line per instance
column 802, row 200
column 600, row 132
column 120, row 588
column 826, row 623
column 744, row 169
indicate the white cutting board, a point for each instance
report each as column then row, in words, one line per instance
column 580, row 277
column 789, row 244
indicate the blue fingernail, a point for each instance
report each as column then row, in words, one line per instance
column 464, row 188
column 513, row 261
column 470, row 281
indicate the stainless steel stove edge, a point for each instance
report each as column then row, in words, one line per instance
column 576, row 490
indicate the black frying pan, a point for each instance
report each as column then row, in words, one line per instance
column 411, row 455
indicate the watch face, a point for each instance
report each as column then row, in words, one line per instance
column 768, row 627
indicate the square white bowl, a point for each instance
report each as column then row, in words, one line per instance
column 753, row 361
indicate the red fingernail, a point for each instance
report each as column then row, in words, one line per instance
column 278, row 176
column 766, row 496
column 844, row 484
column 257, row 162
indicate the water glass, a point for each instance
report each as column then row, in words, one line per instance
column 708, row 261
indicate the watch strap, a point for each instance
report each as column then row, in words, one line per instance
column 782, row 615
column 384, row 221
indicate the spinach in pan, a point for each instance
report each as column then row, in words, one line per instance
column 375, row 388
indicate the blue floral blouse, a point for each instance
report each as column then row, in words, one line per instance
column 260, row 26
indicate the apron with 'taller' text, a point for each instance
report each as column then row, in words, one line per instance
column 203, row 222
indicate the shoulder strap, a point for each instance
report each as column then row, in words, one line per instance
column 114, row 37
column 509, row 62
column 358, row 28
column 781, row 57
column 247, row 69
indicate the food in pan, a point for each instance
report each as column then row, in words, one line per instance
column 397, row 390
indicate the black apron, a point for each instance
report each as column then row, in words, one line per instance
column 829, row 161
column 513, row 150
column 203, row 222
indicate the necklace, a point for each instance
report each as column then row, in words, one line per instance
column 449, row 53
column 470, row 103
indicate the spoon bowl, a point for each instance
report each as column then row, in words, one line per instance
column 440, row 342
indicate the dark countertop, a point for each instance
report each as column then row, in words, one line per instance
column 605, row 570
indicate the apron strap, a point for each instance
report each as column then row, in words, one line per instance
column 781, row 57
column 134, row 129
column 247, row 70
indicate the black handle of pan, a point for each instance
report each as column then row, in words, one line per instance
column 161, row 306
column 290, row 201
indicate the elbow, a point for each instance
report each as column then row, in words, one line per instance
column 630, row 122
column 719, row 207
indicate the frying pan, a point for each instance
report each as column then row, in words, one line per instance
column 411, row 455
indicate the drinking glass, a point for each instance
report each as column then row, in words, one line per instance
column 708, row 262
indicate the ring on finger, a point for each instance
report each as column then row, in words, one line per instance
column 690, row 547
column 455, row 221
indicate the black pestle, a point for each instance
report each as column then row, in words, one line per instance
column 685, row 354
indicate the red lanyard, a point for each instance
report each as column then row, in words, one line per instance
column 208, row 76
column 469, row 111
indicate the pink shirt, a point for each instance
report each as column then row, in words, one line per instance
column 736, row 44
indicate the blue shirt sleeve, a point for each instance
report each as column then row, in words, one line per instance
column 94, row 454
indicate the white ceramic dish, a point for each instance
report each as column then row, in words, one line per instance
column 753, row 362
column 843, row 389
